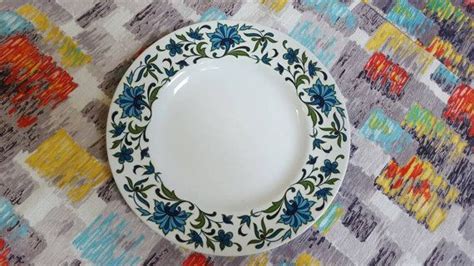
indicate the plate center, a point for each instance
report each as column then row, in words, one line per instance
column 229, row 135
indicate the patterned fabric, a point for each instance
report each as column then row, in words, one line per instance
column 404, row 66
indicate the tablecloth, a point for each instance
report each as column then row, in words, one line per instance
column 404, row 67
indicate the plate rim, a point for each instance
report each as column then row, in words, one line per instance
column 315, row 214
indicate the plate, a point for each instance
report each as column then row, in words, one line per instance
column 228, row 138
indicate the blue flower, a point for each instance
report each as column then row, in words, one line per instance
column 279, row 68
column 174, row 48
column 312, row 68
column 317, row 143
column 149, row 169
column 131, row 101
column 323, row 193
column 224, row 239
column 224, row 37
column 291, row 56
column 170, row 72
column 329, row 168
column 297, row 212
column 245, row 219
column 169, row 217
column 227, row 219
column 322, row 96
column 124, row 155
column 245, row 27
column 265, row 59
column 194, row 34
column 182, row 64
column 195, row 238
column 117, row 129
column 144, row 153
column 286, row 235
column 312, row 160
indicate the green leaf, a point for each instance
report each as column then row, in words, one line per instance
column 142, row 200
column 170, row 194
column 274, row 234
column 313, row 115
column 252, row 34
column 209, row 244
column 143, row 212
column 331, row 181
column 156, row 68
column 338, row 124
column 238, row 53
column 141, row 182
column 254, row 241
column 328, row 129
column 255, row 231
column 135, row 130
column 304, row 58
column 264, row 228
column 154, row 94
column 147, row 187
column 200, row 221
column 129, row 181
column 300, row 80
column 116, row 143
column 140, row 74
column 181, row 37
column 200, row 49
column 344, row 137
column 275, row 206
column 307, row 184
column 127, row 188
column 153, row 75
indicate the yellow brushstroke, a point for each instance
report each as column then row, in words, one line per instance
column 431, row 210
column 426, row 125
column 275, row 5
column 258, row 260
column 61, row 160
column 446, row 53
column 445, row 10
column 305, row 259
column 71, row 55
column 394, row 42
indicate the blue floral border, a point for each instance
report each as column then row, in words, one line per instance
column 191, row 226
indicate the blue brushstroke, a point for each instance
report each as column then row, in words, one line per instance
column 409, row 18
column 102, row 242
column 11, row 221
column 445, row 78
column 386, row 132
column 213, row 13
column 328, row 217
column 12, row 23
column 334, row 12
column 309, row 35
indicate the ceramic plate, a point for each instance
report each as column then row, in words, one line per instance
column 228, row 138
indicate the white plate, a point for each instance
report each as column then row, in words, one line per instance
column 228, row 138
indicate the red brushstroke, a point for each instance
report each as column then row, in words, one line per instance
column 468, row 3
column 399, row 174
column 35, row 77
column 422, row 188
column 381, row 69
column 4, row 252
column 460, row 107
column 196, row 259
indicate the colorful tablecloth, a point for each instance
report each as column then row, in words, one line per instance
column 404, row 66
